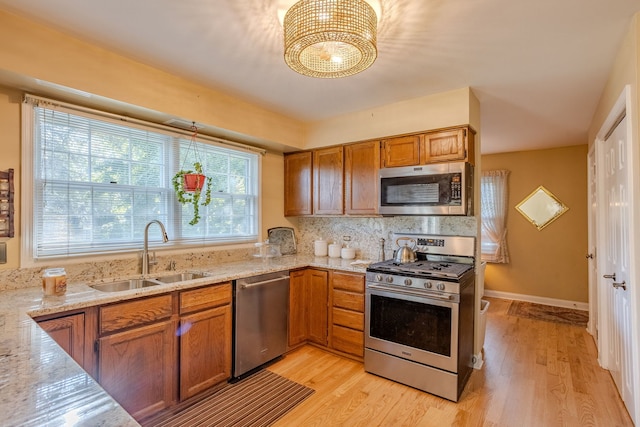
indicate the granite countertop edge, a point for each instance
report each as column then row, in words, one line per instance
column 41, row 385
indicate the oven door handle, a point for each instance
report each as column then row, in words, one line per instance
column 448, row 298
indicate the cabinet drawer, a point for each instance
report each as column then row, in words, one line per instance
column 348, row 340
column 134, row 313
column 199, row 299
column 348, row 318
column 348, row 300
column 348, row 282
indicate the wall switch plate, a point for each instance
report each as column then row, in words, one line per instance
column 3, row 253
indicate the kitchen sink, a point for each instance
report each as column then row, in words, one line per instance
column 181, row 277
column 125, row 285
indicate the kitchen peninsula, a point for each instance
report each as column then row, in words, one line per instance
column 41, row 384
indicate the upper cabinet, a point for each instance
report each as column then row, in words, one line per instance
column 401, row 151
column 343, row 180
column 361, row 165
column 450, row 145
column 328, row 181
column 298, row 192
column 443, row 145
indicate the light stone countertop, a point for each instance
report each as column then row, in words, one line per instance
column 41, row 385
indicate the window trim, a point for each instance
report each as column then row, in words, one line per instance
column 27, row 187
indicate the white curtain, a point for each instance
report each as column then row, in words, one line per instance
column 494, row 200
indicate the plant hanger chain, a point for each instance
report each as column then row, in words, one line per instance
column 192, row 142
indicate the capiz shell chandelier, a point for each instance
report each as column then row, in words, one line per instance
column 330, row 38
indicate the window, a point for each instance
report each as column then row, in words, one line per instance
column 98, row 180
column 494, row 200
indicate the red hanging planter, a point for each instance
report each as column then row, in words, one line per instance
column 193, row 182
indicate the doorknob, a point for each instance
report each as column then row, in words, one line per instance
column 620, row 285
column 610, row 276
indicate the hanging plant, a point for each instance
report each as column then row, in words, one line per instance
column 188, row 185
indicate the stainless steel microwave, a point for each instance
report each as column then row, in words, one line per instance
column 434, row 189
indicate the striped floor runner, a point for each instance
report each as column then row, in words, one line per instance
column 259, row 400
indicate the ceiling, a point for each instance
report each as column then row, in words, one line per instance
column 537, row 67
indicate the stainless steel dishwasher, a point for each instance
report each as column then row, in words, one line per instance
column 260, row 320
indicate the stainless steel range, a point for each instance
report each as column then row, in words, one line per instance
column 419, row 315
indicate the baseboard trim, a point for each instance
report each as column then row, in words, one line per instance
column 584, row 306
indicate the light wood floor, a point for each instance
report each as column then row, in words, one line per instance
column 535, row 374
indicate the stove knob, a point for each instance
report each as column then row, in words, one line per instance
column 441, row 286
column 407, row 282
column 378, row 277
column 389, row 279
column 428, row 285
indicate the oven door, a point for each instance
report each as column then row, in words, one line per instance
column 412, row 326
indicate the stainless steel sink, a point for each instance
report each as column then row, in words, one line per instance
column 125, row 285
column 181, row 277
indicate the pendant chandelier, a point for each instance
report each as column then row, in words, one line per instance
column 330, row 38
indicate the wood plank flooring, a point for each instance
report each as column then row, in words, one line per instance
column 536, row 373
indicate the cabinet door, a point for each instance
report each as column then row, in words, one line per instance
column 445, row 146
column 298, row 307
column 298, row 194
column 205, row 350
column 68, row 332
column 362, row 162
column 401, row 151
column 328, row 183
column 137, row 368
column 318, row 308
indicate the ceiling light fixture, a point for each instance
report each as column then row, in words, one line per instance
column 330, row 38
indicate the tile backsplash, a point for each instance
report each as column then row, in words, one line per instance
column 364, row 235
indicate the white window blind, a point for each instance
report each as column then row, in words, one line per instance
column 98, row 181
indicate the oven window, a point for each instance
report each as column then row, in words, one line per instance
column 414, row 324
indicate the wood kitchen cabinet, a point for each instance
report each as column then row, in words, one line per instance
column 137, row 354
column 205, row 338
column 401, row 151
column 361, row 166
column 347, row 313
column 448, row 145
column 298, row 307
column 308, row 306
column 318, row 305
column 298, row 190
column 328, row 181
column 75, row 332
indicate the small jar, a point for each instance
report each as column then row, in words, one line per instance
column 334, row 250
column 54, row 282
column 320, row 247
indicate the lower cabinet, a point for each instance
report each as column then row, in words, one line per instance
column 155, row 351
column 75, row 332
column 137, row 367
column 205, row 338
column 318, row 296
column 327, row 308
column 137, row 358
column 347, row 313
column 308, row 296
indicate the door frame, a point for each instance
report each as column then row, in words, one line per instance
column 592, row 245
column 625, row 102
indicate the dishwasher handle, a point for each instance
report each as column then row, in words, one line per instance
column 252, row 285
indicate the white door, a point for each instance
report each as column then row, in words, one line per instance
column 592, row 327
column 614, row 261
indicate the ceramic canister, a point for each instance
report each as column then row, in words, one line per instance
column 348, row 253
column 334, row 250
column 320, row 247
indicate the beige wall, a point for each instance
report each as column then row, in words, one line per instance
column 549, row 263
column 47, row 62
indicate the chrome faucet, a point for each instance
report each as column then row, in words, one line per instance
column 145, row 251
